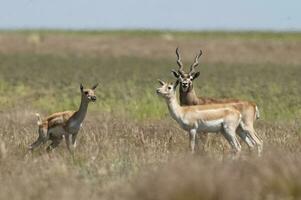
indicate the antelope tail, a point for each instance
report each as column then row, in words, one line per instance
column 39, row 122
column 257, row 115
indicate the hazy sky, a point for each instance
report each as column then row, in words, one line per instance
column 152, row 14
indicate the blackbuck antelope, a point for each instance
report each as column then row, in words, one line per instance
column 202, row 118
column 65, row 124
column 188, row 97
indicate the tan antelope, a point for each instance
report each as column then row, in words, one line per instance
column 188, row 97
column 202, row 118
column 65, row 124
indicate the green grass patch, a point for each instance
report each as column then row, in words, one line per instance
column 127, row 84
column 261, row 35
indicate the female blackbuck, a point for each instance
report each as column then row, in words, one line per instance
column 202, row 118
column 188, row 97
column 64, row 124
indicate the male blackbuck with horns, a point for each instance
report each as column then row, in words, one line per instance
column 202, row 118
column 64, row 124
column 188, row 97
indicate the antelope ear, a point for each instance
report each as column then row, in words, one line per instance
column 81, row 87
column 195, row 75
column 95, row 86
column 161, row 82
column 175, row 73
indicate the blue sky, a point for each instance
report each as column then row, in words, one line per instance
column 156, row 14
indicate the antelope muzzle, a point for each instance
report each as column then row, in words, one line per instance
column 93, row 98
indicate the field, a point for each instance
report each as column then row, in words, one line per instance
column 129, row 147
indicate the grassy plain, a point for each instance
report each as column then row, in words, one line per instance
column 129, row 148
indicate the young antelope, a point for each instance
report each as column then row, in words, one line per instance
column 64, row 124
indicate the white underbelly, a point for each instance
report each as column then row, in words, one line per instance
column 210, row 126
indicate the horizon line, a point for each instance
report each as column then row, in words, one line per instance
column 229, row 30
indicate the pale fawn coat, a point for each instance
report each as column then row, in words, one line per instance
column 202, row 118
column 64, row 124
column 248, row 109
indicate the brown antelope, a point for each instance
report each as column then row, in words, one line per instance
column 202, row 118
column 64, row 124
column 248, row 110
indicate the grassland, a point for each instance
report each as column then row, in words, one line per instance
column 129, row 148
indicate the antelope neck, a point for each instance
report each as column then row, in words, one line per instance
column 80, row 115
column 190, row 97
column 174, row 107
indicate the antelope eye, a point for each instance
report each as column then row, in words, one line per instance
column 169, row 87
column 86, row 92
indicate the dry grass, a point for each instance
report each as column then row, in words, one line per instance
column 118, row 158
column 129, row 148
column 218, row 48
column 273, row 177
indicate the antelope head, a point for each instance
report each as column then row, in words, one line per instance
column 88, row 94
column 184, row 78
column 167, row 90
